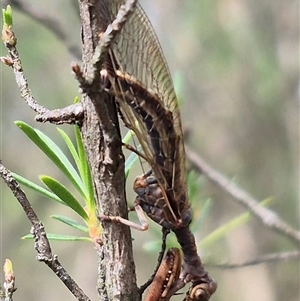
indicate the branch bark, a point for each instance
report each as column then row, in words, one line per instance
column 42, row 244
column 102, row 140
column 268, row 258
column 98, row 118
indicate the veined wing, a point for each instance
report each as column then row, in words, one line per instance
column 137, row 56
column 140, row 80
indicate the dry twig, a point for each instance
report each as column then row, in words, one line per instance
column 266, row 216
column 268, row 258
column 49, row 23
column 42, row 244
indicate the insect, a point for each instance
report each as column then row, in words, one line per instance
column 136, row 74
column 161, row 191
column 167, row 273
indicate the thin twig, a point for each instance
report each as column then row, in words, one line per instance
column 266, row 216
column 71, row 114
column 42, row 244
column 269, row 258
column 107, row 38
column 14, row 61
column 49, row 23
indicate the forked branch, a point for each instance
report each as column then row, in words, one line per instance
column 42, row 244
column 71, row 114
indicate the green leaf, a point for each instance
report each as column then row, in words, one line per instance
column 85, row 171
column 199, row 215
column 178, row 80
column 65, row 195
column 224, row 229
column 70, row 222
column 70, row 145
column 128, row 137
column 193, row 181
column 61, row 237
column 133, row 157
column 54, row 153
column 76, row 99
column 7, row 15
column 37, row 188
column 228, row 227
column 152, row 246
column 64, row 164
column 82, row 165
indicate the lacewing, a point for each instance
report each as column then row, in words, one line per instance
column 140, row 79
column 136, row 73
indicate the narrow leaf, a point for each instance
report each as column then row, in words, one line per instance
column 61, row 237
column 230, row 226
column 224, row 229
column 199, row 215
column 54, row 153
column 128, row 137
column 133, row 157
column 65, row 195
column 67, row 167
column 70, row 145
column 37, row 188
column 70, row 222
column 85, row 171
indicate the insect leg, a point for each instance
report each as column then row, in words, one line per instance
column 140, row 214
column 165, row 233
column 131, row 148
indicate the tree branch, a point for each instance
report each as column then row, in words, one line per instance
column 42, row 244
column 49, row 23
column 71, row 114
column 102, row 140
column 107, row 37
column 267, row 217
column 103, row 146
column 269, row 258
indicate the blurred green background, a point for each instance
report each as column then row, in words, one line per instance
column 236, row 72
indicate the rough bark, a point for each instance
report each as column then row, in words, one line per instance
column 102, row 140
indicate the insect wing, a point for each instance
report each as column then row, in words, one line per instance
column 137, row 52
